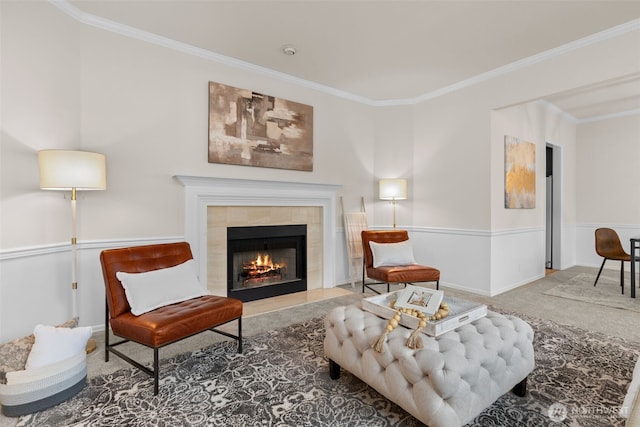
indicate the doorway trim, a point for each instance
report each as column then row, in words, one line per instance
column 556, row 202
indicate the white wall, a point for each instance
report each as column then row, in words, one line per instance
column 522, row 257
column 68, row 85
column 40, row 78
column 451, row 186
column 146, row 108
column 393, row 150
column 462, row 186
column 40, row 108
column 608, row 152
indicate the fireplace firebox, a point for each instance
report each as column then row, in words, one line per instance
column 266, row 261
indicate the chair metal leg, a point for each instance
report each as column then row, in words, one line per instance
column 156, row 370
column 622, row 276
column 598, row 276
column 239, row 334
column 106, row 331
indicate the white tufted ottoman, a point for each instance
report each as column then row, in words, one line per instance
column 449, row 381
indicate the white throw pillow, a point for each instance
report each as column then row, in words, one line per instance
column 154, row 289
column 55, row 344
column 392, row 254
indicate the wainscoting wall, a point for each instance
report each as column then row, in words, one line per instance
column 481, row 262
column 35, row 283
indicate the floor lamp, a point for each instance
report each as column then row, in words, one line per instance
column 72, row 171
column 393, row 189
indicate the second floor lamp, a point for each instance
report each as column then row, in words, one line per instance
column 394, row 190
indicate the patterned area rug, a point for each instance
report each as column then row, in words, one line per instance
column 282, row 379
column 607, row 292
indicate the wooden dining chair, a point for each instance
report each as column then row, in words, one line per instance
column 608, row 246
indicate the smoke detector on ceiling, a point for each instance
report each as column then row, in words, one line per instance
column 288, row 50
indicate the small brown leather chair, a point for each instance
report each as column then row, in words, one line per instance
column 608, row 246
column 164, row 325
column 406, row 274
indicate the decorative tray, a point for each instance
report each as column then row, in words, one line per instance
column 461, row 312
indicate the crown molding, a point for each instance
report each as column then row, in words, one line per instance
column 633, row 112
column 557, row 109
column 535, row 59
column 131, row 32
column 135, row 33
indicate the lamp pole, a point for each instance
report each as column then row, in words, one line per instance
column 393, row 202
column 74, row 255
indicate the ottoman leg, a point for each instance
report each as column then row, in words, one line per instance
column 334, row 370
column 520, row 389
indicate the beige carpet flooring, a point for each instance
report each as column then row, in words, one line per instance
column 531, row 299
column 606, row 292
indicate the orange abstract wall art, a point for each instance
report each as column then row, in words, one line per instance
column 519, row 173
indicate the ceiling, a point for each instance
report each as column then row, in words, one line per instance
column 381, row 51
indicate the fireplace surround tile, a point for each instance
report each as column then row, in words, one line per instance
column 259, row 202
column 221, row 217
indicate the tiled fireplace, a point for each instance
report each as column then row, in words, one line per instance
column 221, row 218
column 212, row 205
column 266, row 261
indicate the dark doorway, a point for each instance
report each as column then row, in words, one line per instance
column 549, row 209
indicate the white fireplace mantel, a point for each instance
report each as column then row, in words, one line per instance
column 202, row 192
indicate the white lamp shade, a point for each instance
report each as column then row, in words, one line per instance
column 393, row 189
column 65, row 170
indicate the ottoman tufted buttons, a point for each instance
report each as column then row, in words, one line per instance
column 446, row 383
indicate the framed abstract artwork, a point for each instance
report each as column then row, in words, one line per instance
column 252, row 129
column 519, row 173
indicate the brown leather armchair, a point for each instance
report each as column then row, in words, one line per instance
column 164, row 325
column 393, row 274
column 608, row 246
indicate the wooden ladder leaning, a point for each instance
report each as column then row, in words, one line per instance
column 354, row 224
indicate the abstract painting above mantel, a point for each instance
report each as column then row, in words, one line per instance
column 519, row 173
column 251, row 129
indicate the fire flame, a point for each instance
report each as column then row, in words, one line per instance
column 265, row 263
